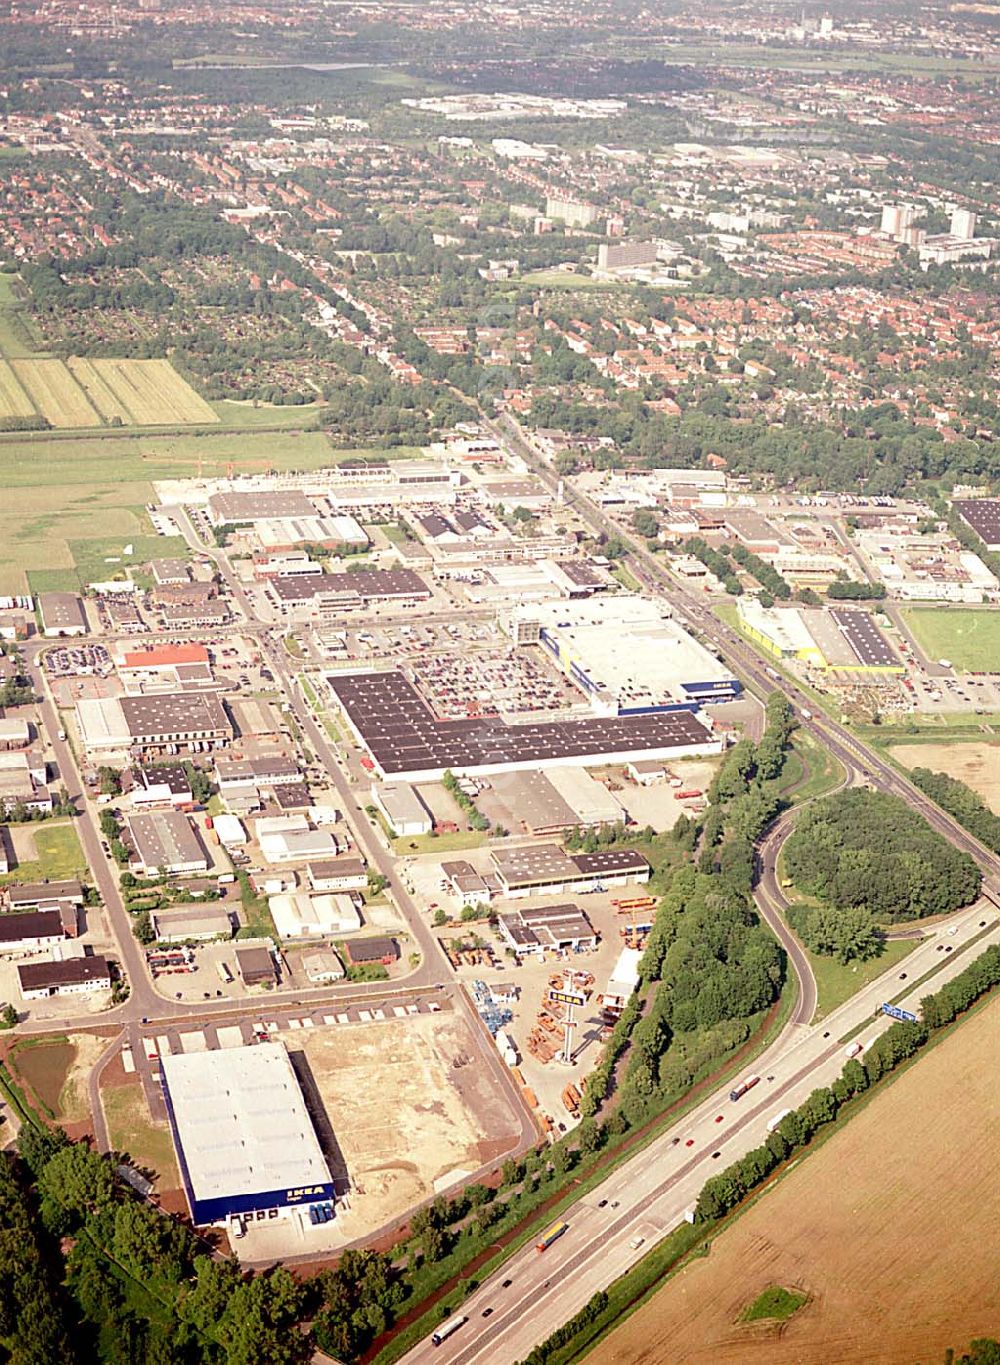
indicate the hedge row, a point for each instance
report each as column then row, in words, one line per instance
column 724, row 1191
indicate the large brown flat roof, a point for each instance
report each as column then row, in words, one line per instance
column 404, row 736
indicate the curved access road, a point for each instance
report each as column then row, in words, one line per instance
column 613, row 1226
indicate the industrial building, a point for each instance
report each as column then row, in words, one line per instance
column 234, row 508
column 407, row 742
column 623, row 981
column 558, row 928
column 982, row 515
column 324, row 596
column 278, row 534
column 164, row 840
column 835, row 640
column 31, row 931
column 71, row 976
column 402, row 808
column 548, row 870
column 467, row 884
column 167, row 722
column 298, row 915
column 192, row 923
column 560, row 799
column 297, row 845
column 256, row 966
column 245, row 1143
column 337, row 874
column 929, row 567
column 166, row 784
column 45, row 895
column 361, row 951
column 62, row 614
column 627, row 656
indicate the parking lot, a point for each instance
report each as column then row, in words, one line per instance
column 490, row 682
column 75, row 661
column 411, row 641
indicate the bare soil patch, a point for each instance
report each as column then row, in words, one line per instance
column 410, row 1103
column 891, row 1229
column 976, row 764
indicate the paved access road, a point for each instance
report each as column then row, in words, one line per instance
column 147, row 1012
column 648, row 1195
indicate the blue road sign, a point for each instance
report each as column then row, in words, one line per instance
column 895, row 1012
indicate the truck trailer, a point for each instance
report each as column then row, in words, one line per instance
column 738, row 1091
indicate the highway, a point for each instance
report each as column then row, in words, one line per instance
column 648, row 1195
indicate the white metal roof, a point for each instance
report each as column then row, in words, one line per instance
column 242, row 1121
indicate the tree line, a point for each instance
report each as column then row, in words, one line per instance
column 962, row 803
column 709, row 968
column 900, row 1041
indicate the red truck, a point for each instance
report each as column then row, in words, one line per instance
column 740, row 1090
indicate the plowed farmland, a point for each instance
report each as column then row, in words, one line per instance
column 890, row 1229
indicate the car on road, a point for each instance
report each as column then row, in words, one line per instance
column 689, row 1143
column 636, row 1243
column 602, row 1203
column 506, row 1284
column 719, row 1118
column 487, row 1312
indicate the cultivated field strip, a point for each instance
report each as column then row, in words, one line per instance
column 103, row 397
column 14, row 401
column 55, row 393
column 153, row 392
column 93, row 393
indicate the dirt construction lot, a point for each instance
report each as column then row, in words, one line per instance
column 976, row 764
column 411, row 1105
column 891, row 1229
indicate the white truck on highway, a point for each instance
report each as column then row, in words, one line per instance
column 777, row 1119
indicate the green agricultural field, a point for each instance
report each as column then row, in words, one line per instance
column 969, row 637
column 232, row 413
column 564, row 279
column 60, row 494
column 775, row 1304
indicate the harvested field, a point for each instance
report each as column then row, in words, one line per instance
column 445, row 1116
column 977, row 764
column 14, row 402
column 891, row 1230
column 100, row 393
column 55, row 393
column 153, row 392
